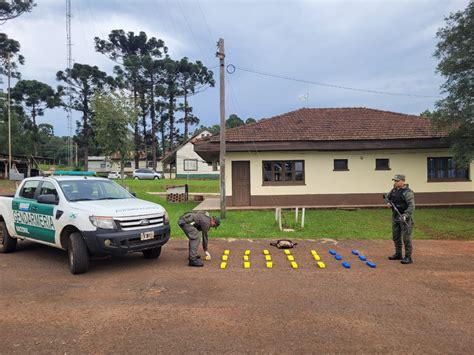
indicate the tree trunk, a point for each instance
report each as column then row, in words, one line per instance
column 171, row 119
column 162, row 132
column 153, row 122
column 35, row 131
column 143, row 104
column 186, row 122
column 136, row 134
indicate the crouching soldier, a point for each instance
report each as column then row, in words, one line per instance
column 192, row 223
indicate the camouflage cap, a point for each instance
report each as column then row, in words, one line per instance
column 399, row 177
column 217, row 221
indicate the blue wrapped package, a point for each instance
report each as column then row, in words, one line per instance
column 332, row 252
column 371, row 264
column 346, row 264
column 355, row 252
column 362, row 257
column 338, row 257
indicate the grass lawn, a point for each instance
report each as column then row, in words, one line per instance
column 198, row 186
column 430, row 223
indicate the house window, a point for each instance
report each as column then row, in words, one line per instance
column 103, row 165
column 287, row 172
column 382, row 164
column 190, row 164
column 341, row 165
column 128, row 164
column 444, row 169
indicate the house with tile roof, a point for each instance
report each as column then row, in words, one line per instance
column 338, row 157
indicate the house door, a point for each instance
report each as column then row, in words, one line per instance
column 241, row 183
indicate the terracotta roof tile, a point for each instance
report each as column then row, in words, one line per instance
column 332, row 124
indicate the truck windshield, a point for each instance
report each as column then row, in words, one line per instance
column 88, row 190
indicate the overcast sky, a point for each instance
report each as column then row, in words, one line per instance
column 371, row 45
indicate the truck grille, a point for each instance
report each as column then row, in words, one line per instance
column 140, row 222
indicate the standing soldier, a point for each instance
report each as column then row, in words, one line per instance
column 192, row 223
column 402, row 200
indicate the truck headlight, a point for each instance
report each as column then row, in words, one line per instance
column 167, row 218
column 103, row 222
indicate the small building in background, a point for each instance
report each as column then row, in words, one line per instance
column 105, row 165
column 188, row 164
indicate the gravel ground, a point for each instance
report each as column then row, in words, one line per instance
column 129, row 304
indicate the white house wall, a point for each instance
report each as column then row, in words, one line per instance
column 361, row 177
column 204, row 170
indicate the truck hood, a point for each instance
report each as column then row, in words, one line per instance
column 118, row 208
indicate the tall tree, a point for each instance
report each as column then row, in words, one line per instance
column 115, row 113
column 21, row 140
column 171, row 92
column 9, row 53
column 191, row 78
column 129, row 51
column 85, row 80
column 35, row 97
column 14, row 8
column 152, row 72
column 455, row 50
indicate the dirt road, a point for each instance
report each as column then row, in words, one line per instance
column 130, row 305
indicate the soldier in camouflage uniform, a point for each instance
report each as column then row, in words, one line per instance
column 192, row 223
column 402, row 224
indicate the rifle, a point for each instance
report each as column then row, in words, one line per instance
column 395, row 209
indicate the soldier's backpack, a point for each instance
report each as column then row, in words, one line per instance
column 284, row 244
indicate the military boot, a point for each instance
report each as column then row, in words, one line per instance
column 407, row 260
column 395, row 256
column 196, row 263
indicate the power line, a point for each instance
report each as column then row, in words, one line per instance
column 231, row 69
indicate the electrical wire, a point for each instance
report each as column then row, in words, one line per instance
column 231, row 69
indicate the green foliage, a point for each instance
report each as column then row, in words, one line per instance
column 9, row 51
column 138, row 71
column 250, row 120
column 14, row 8
column 114, row 115
column 233, row 121
column 85, row 80
column 191, row 78
column 34, row 97
column 456, row 111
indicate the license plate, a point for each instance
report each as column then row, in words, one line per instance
column 147, row 235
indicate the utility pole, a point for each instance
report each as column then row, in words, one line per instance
column 220, row 54
column 9, row 117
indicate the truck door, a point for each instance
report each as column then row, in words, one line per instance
column 32, row 219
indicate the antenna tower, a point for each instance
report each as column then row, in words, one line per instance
column 69, row 91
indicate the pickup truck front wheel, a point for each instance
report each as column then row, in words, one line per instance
column 78, row 254
column 7, row 243
column 152, row 253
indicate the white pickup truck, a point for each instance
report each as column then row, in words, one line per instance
column 83, row 215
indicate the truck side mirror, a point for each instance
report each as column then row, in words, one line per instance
column 133, row 194
column 48, row 199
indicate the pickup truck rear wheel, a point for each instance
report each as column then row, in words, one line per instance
column 78, row 254
column 152, row 253
column 7, row 243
